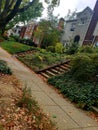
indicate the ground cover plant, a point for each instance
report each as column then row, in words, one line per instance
column 14, row 47
column 80, row 84
column 41, row 59
column 4, row 68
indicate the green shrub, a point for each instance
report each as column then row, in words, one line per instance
column 96, row 49
column 4, row 68
column 59, row 48
column 37, row 58
column 11, row 39
column 94, row 58
column 15, row 37
column 82, row 67
column 50, row 48
column 1, row 39
column 86, row 49
column 72, row 48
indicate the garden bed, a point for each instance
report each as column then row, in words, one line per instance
column 84, row 94
column 80, row 84
column 41, row 59
column 38, row 59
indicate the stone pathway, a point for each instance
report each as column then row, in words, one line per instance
column 67, row 116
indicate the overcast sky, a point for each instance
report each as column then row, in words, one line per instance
column 72, row 5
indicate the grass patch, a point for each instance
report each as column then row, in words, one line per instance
column 14, row 47
column 27, row 101
column 4, row 68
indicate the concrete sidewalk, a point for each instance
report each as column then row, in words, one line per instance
column 67, row 116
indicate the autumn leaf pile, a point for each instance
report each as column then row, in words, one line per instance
column 13, row 117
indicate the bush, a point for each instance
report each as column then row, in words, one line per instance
column 86, row 49
column 11, row 38
column 4, row 68
column 50, row 48
column 72, row 48
column 1, row 39
column 82, row 68
column 59, row 48
column 94, row 58
column 96, row 49
column 15, row 37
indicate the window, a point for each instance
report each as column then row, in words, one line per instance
column 77, row 38
column 72, row 27
column 83, row 20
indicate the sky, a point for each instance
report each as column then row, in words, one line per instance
column 65, row 5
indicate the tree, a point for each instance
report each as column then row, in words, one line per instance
column 31, row 13
column 10, row 8
column 48, row 33
column 71, row 15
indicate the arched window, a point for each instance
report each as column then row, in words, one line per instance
column 77, row 38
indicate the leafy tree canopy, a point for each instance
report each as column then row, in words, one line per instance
column 32, row 12
column 10, row 8
column 48, row 32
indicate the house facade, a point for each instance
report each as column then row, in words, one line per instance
column 28, row 30
column 76, row 29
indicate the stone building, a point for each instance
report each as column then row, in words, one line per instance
column 76, row 29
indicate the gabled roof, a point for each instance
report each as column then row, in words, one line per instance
column 87, row 8
column 80, row 13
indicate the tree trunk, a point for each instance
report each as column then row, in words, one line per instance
column 2, row 27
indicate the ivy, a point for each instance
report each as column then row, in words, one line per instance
column 84, row 94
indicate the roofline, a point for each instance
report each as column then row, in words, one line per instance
column 72, row 20
column 85, row 9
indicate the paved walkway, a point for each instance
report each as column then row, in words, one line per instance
column 61, row 111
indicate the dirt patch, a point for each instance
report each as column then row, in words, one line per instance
column 13, row 117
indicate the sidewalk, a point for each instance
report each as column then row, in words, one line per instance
column 67, row 116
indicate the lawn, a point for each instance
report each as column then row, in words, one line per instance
column 14, row 47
